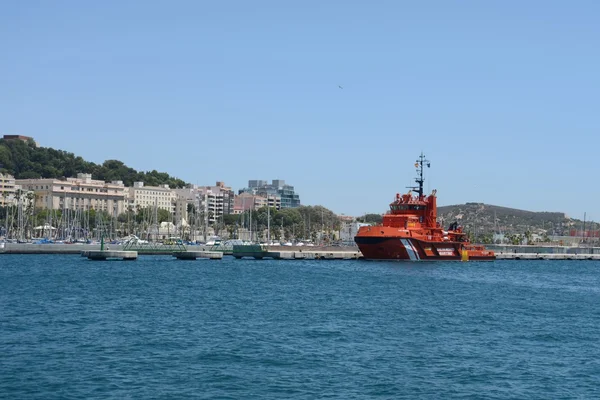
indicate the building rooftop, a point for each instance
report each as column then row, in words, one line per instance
column 19, row 137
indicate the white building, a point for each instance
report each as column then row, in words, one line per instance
column 140, row 196
column 7, row 190
column 349, row 229
column 81, row 193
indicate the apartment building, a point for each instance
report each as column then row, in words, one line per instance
column 247, row 201
column 7, row 190
column 141, row 196
column 277, row 187
column 180, row 205
column 211, row 202
column 81, row 193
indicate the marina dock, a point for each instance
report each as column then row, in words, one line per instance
column 193, row 255
column 30, row 248
column 546, row 256
column 295, row 253
column 305, row 255
column 103, row 255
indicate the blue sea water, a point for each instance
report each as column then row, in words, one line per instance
column 239, row 329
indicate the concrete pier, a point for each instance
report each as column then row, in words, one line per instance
column 193, row 255
column 546, row 256
column 110, row 255
column 300, row 255
column 259, row 252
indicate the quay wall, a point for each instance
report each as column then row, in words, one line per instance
column 525, row 249
column 61, row 248
column 29, row 248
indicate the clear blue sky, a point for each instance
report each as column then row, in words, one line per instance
column 503, row 97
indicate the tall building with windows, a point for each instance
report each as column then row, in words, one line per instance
column 277, row 188
column 211, row 202
column 247, row 201
column 141, row 196
column 7, row 190
column 81, row 193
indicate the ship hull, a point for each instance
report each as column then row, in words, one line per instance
column 411, row 249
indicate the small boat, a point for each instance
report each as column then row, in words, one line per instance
column 213, row 241
column 410, row 231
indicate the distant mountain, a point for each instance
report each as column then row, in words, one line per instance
column 486, row 218
column 24, row 160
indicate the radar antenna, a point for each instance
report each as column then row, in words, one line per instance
column 419, row 164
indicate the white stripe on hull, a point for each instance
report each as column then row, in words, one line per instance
column 410, row 249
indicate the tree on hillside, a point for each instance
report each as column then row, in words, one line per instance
column 29, row 175
column 25, row 161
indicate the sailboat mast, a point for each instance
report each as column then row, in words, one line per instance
column 268, row 221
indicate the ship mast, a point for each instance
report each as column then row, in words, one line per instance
column 419, row 164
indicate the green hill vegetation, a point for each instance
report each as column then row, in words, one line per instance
column 24, row 160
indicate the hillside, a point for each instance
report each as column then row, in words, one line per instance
column 487, row 218
column 26, row 161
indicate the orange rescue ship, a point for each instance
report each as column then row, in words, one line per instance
column 410, row 231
